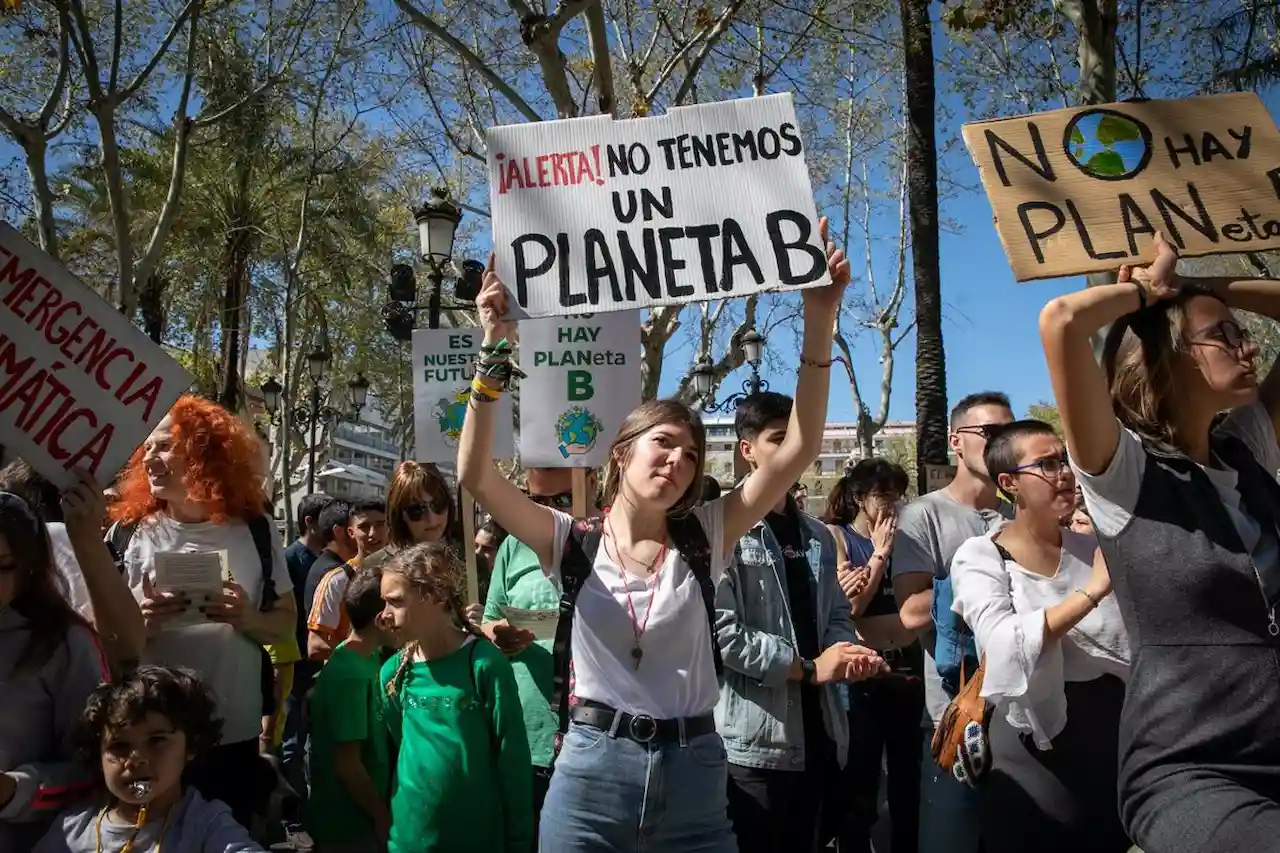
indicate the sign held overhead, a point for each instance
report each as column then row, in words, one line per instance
column 1085, row 189
column 706, row 202
column 80, row 386
column 444, row 362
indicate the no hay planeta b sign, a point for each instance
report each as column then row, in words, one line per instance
column 706, row 202
column 1084, row 190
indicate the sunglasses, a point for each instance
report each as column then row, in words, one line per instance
column 987, row 431
column 564, row 500
column 418, row 510
column 1224, row 333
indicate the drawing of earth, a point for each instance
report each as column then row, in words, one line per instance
column 577, row 430
column 1108, row 145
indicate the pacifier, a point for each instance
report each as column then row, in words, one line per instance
column 140, row 789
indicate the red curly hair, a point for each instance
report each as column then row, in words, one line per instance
column 224, row 466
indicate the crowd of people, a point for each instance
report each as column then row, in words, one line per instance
column 1053, row 652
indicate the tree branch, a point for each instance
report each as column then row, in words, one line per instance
column 117, row 35
column 470, row 58
column 64, row 71
column 141, row 78
column 718, row 30
column 598, row 39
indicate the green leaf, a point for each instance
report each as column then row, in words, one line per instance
column 1113, row 129
column 1106, row 163
column 1077, row 138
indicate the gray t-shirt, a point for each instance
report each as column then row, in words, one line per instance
column 1112, row 494
column 930, row 530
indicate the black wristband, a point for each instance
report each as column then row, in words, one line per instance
column 1142, row 295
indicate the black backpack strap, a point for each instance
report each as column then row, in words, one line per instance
column 690, row 540
column 261, row 527
column 118, row 539
column 576, row 562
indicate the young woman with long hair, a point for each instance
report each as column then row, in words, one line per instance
column 463, row 777
column 1056, row 653
column 1185, row 509
column 50, row 662
column 196, row 484
column 642, row 764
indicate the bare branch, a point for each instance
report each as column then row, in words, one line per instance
column 64, row 70
column 140, row 79
column 598, row 39
column 82, row 38
column 470, row 58
column 117, row 36
column 708, row 42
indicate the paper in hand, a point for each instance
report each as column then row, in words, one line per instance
column 540, row 623
column 198, row 575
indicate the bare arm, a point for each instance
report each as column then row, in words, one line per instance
column 914, row 594
column 746, row 505
column 274, row 625
column 351, row 772
column 318, row 647
column 1079, row 385
column 530, row 523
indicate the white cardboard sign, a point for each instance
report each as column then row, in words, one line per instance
column 80, row 386
column 443, row 364
column 583, row 379
column 707, row 202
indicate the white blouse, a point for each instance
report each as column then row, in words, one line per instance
column 1004, row 604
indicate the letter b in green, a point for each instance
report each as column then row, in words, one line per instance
column 580, row 386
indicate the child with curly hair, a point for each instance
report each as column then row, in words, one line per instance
column 463, row 774
column 141, row 732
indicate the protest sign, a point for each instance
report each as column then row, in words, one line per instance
column 706, row 202
column 583, row 379
column 1084, row 190
column 80, row 386
column 443, row 364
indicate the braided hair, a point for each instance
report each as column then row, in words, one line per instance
column 434, row 570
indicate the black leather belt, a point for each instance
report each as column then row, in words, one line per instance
column 641, row 728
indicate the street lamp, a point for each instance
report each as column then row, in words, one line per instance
column 359, row 390
column 437, row 219
column 704, row 375
column 271, row 391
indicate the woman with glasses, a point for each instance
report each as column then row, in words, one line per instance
column 884, row 711
column 420, row 508
column 50, row 661
column 1056, row 656
column 1186, row 509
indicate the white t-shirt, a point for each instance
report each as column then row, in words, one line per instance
column 64, row 560
column 1112, row 495
column 1005, row 604
column 229, row 661
column 677, row 675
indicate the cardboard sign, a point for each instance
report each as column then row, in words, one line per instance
column 1084, row 190
column 443, row 364
column 583, row 381
column 706, row 202
column 80, row 386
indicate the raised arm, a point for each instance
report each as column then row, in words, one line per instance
column 532, row 524
column 1079, row 385
column 751, row 501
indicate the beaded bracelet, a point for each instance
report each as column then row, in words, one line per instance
column 821, row 365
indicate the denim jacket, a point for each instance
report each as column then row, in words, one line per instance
column 758, row 714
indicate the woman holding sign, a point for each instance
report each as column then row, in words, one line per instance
column 642, row 761
column 1186, row 515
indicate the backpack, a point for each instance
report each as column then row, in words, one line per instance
column 954, row 650
column 576, row 566
column 260, row 527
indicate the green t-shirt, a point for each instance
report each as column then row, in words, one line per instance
column 345, row 707
column 463, row 782
column 518, row 581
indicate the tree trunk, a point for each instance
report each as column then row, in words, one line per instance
column 922, row 200
column 236, row 255
column 36, row 149
column 151, row 303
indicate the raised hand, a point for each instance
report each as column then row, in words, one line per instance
column 1160, row 280
column 84, row 507
column 491, row 306
column 829, row 297
column 882, row 533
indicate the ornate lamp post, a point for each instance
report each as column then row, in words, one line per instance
column 704, row 376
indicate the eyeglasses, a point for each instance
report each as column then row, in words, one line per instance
column 986, row 431
column 1051, row 468
column 1224, row 333
column 563, row 500
column 417, row 511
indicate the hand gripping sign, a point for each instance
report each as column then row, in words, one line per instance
column 593, row 214
column 80, row 386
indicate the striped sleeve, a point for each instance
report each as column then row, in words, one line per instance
column 46, row 787
column 326, row 617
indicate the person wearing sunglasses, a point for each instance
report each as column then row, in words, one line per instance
column 930, row 529
column 517, row 581
column 50, row 661
column 1056, row 658
column 1186, row 507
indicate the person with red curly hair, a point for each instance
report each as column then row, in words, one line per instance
column 196, row 484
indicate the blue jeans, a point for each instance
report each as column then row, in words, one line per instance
column 949, row 815
column 294, row 751
column 613, row 795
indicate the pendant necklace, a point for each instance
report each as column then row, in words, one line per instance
column 637, row 626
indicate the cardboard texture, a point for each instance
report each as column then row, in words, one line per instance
column 80, row 386
column 1084, row 190
column 583, row 379
column 706, row 202
column 444, row 361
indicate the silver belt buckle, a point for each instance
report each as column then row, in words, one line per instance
column 643, row 728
